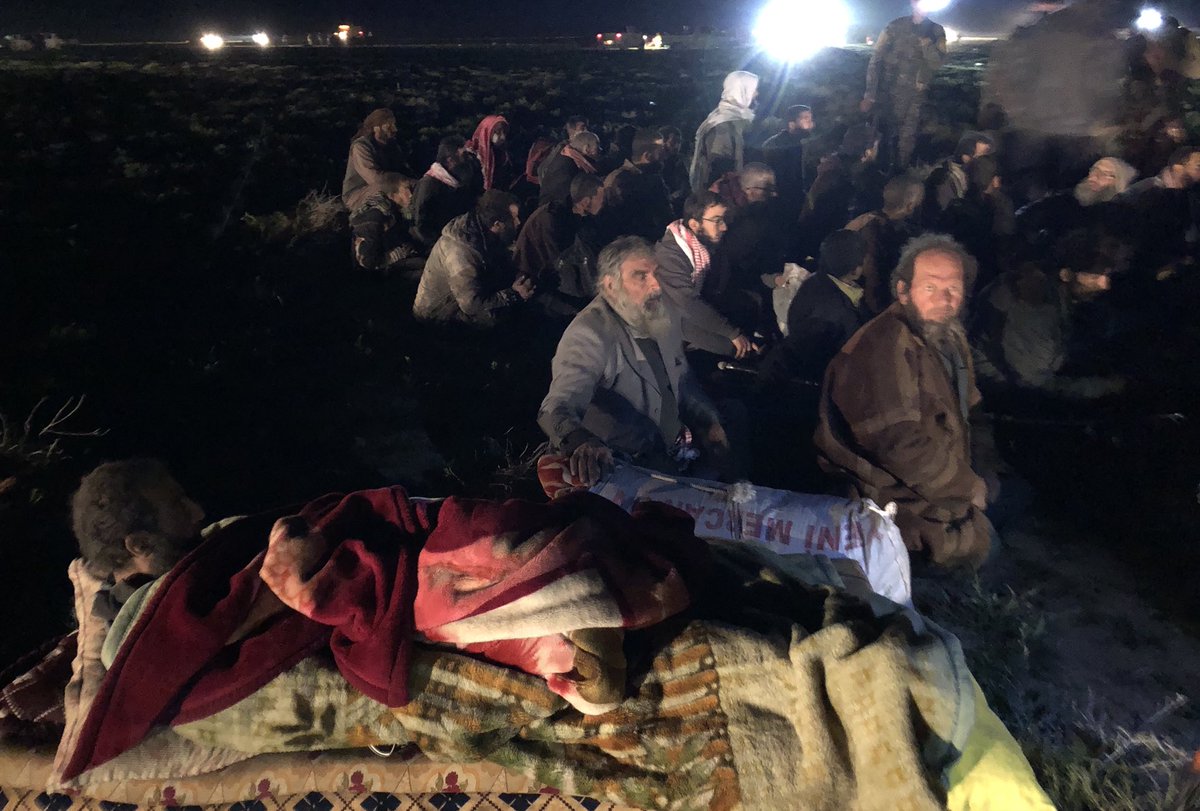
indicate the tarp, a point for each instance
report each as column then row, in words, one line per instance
column 783, row 521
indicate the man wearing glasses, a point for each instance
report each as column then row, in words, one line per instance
column 685, row 258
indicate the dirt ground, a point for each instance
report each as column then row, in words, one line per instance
column 249, row 356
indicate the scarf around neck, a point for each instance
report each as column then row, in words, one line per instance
column 693, row 249
column 439, row 172
column 581, row 160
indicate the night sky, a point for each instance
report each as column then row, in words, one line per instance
column 182, row 19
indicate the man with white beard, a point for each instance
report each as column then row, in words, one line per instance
column 1044, row 221
column 621, row 385
column 895, row 403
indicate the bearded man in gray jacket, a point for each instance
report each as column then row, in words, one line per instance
column 621, row 383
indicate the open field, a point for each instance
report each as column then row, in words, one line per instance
column 245, row 352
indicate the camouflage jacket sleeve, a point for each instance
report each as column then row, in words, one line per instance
column 466, row 285
column 933, row 54
column 878, row 55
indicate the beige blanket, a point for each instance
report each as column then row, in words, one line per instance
column 774, row 695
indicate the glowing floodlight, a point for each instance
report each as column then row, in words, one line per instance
column 1151, row 19
column 933, row 6
column 791, row 32
column 261, row 39
column 212, row 41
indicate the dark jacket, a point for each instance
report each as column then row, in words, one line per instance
column 821, row 319
column 636, row 202
column 891, row 424
column 784, row 152
column 556, row 174
column 435, row 204
column 548, row 232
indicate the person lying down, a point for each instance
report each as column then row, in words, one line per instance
column 618, row 651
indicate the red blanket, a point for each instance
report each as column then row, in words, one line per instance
column 216, row 631
column 175, row 665
column 547, row 588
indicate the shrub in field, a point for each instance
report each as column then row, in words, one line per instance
column 316, row 212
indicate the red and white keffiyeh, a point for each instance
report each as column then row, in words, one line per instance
column 693, row 249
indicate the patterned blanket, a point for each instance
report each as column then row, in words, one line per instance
column 547, row 588
column 769, row 694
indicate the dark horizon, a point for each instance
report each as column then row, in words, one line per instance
column 93, row 20
column 139, row 20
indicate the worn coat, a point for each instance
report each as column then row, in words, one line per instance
column 604, row 387
column 548, row 232
column 890, row 423
column 465, row 281
column 365, row 167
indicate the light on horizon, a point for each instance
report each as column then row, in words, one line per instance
column 261, row 39
column 212, row 41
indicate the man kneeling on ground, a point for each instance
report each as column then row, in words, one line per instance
column 895, row 403
column 621, row 383
column 469, row 277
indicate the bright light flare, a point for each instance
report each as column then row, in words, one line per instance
column 933, row 6
column 343, row 35
column 212, row 41
column 261, row 39
column 789, row 32
column 951, row 34
column 1151, row 19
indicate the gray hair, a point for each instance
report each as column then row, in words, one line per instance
column 755, row 174
column 582, row 140
column 903, row 192
column 933, row 243
column 110, row 504
column 617, row 253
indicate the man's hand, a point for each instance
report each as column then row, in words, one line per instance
column 716, row 438
column 979, row 494
column 865, row 106
column 590, row 461
column 524, row 287
column 743, row 347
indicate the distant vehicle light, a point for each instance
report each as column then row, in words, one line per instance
column 599, row 36
column 343, row 35
column 933, row 6
column 790, row 33
column 951, row 34
column 1151, row 19
column 212, row 42
column 618, row 36
column 261, row 39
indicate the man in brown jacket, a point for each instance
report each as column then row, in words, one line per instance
column 894, row 408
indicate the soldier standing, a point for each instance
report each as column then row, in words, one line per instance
column 906, row 55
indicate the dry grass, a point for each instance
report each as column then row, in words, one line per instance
column 1083, row 760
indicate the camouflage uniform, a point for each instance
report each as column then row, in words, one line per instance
column 906, row 56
